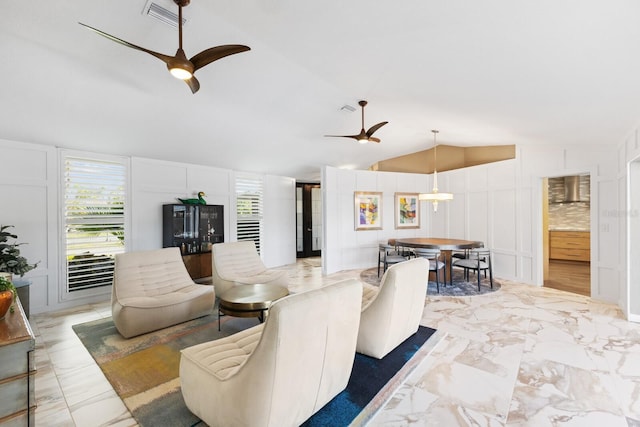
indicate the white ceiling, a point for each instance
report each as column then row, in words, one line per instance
column 482, row 72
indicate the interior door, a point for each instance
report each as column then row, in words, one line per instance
column 308, row 220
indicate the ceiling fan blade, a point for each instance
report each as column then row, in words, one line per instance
column 373, row 139
column 160, row 56
column 193, row 84
column 344, row 136
column 374, row 128
column 207, row 56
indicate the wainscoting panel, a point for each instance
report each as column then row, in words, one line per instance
column 607, row 254
column 525, row 269
column 525, row 221
column 506, row 264
column 210, row 180
column 607, row 288
column 504, row 219
column 501, row 175
column 152, row 175
column 478, row 213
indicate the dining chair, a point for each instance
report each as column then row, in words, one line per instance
column 479, row 260
column 387, row 255
column 435, row 262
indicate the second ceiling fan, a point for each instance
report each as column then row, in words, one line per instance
column 364, row 136
column 179, row 66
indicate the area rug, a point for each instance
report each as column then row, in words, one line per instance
column 371, row 384
column 144, row 371
column 459, row 288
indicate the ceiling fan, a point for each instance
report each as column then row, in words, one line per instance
column 179, row 66
column 364, row 137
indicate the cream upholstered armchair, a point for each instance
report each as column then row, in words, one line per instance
column 153, row 290
column 238, row 263
column 278, row 373
column 391, row 313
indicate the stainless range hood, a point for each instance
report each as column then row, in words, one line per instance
column 572, row 189
column 569, row 189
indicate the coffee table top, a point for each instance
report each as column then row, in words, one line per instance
column 252, row 297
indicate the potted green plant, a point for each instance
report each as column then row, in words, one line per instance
column 7, row 296
column 10, row 259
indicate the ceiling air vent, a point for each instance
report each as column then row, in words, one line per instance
column 158, row 12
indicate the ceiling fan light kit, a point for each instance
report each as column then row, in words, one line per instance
column 364, row 136
column 179, row 66
column 435, row 196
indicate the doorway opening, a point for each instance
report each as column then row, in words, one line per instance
column 567, row 233
column 308, row 220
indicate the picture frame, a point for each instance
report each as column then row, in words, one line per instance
column 367, row 210
column 407, row 210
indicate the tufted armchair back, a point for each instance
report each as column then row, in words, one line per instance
column 279, row 373
column 150, row 273
column 152, row 290
column 237, row 263
column 392, row 312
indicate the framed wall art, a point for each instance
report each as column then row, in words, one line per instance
column 368, row 210
column 407, row 210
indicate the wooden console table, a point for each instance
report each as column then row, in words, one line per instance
column 17, row 369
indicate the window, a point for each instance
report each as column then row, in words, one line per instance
column 94, row 220
column 249, row 208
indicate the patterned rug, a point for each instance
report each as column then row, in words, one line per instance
column 459, row 288
column 144, row 370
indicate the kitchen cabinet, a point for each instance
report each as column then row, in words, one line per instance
column 17, row 371
column 570, row 245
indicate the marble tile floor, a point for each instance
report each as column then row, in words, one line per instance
column 522, row 356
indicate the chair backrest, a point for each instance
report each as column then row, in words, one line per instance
column 385, row 247
column 481, row 254
column 395, row 312
column 233, row 259
column 311, row 336
column 149, row 273
column 427, row 253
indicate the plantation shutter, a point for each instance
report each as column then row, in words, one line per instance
column 249, row 208
column 94, row 196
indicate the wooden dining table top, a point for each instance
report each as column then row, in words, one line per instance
column 437, row 243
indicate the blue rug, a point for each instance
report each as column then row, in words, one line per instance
column 368, row 381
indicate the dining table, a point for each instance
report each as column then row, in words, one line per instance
column 445, row 245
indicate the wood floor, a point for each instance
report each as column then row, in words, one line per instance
column 570, row 276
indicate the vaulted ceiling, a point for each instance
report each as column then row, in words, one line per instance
column 491, row 72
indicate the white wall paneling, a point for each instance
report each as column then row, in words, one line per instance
column 28, row 189
column 498, row 203
column 631, row 298
column 504, row 220
column 279, row 233
column 30, row 183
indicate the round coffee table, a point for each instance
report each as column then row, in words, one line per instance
column 249, row 300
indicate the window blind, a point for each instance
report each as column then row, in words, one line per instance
column 249, row 192
column 94, row 203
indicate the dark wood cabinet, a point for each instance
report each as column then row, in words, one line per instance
column 194, row 229
column 198, row 265
column 17, row 373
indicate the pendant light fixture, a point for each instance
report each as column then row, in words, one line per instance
column 435, row 196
